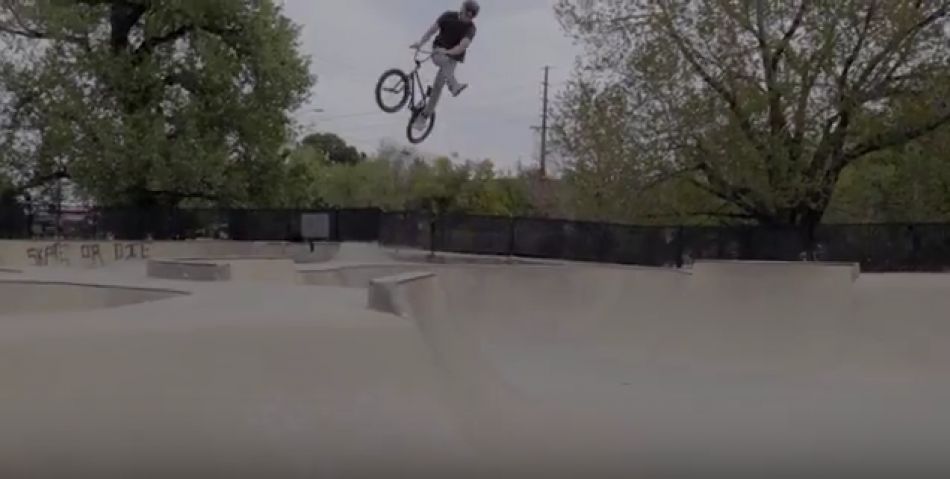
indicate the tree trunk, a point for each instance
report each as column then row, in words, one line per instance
column 808, row 224
column 123, row 18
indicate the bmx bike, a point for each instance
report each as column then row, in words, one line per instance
column 406, row 87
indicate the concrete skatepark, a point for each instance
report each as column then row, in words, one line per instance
column 207, row 359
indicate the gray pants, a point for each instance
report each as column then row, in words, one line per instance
column 445, row 76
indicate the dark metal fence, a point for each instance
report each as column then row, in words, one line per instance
column 877, row 247
column 181, row 224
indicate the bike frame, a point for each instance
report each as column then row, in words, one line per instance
column 415, row 79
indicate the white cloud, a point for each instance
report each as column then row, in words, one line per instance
column 353, row 41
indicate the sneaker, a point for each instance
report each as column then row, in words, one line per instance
column 461, row 88
column 421, row 122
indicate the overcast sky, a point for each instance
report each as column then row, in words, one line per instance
column 352, row 42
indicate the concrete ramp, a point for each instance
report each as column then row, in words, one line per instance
column 20, row 297
column 734, row 371
column 757, row 316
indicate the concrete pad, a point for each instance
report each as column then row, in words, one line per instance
column 456, row 370
column 295, row 387
column 363, row 252
column 277, row 270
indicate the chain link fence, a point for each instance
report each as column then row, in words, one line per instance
column 877, row 247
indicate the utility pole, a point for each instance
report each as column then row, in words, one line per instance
column 544, row 126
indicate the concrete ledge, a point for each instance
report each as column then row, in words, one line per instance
column 188, row 270
column 355, row 275
column 224, row 258
column 264, row 268
column 847, row 272
column 272, row 270
column 385, row 295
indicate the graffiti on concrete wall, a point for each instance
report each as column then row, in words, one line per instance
column 54, row 254
column 91, row 254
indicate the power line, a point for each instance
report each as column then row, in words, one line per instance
column 341, row 63
column 351, row 115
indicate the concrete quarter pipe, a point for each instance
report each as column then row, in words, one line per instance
column 18, row 297
column 736, row 369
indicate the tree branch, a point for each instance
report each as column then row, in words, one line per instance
column 720, row 187
column 22, row 30
column 790, row 33
column 22, row 33
column 728, row 96
column 732, row 198
column 770, row 67
column 665, row 176
column 896, row 137
column 858, row 45
column 18, row 106
column 809, row 74
column 150, row 44
column 38, row 181
column 895, row 43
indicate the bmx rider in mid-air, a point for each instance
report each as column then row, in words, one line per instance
column 456, row 31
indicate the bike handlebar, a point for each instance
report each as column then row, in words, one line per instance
column 425, row 52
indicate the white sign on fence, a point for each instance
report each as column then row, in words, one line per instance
column 315, row 226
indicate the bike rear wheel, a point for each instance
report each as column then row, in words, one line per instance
column 395, row 83
column 416, row 137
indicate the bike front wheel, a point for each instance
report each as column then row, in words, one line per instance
column 418, row 136
column 392, row 90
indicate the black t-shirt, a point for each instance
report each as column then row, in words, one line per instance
column 451, row 32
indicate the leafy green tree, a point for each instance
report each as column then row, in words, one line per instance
column 910, row 184
column 613, row 174
column 150, row 102
column 399, row 179
column 486, row 194
column 436, row 188
column 762, row 104
column 336, row 149
column 305, row 168
column 368, row 184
